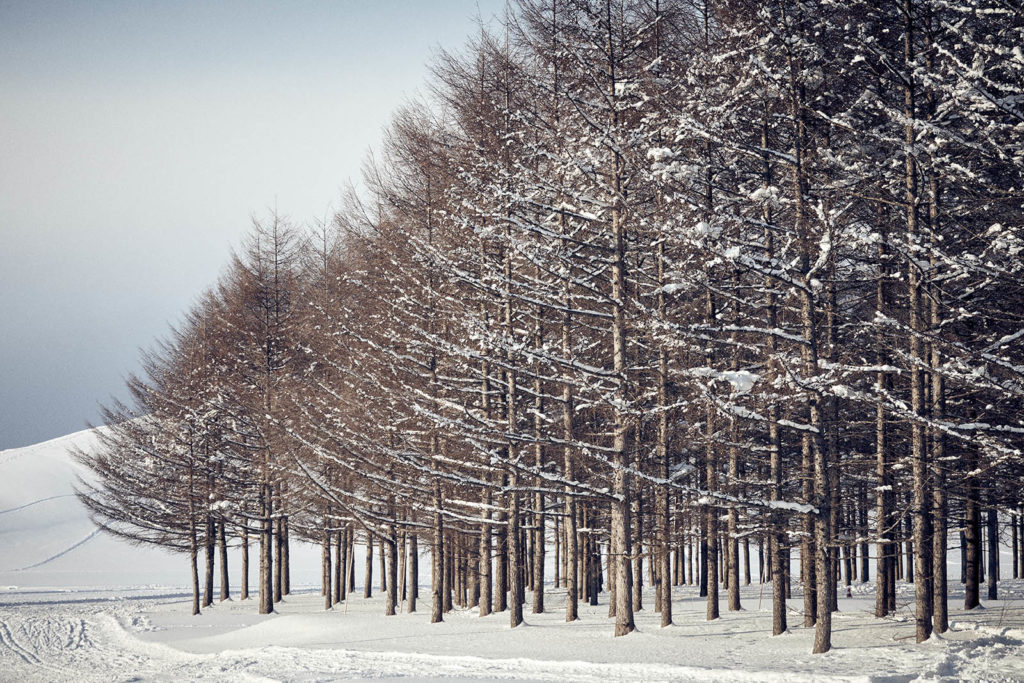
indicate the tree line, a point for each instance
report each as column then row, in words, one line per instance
column 640, row 283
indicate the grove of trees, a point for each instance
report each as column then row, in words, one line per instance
column 648, row 285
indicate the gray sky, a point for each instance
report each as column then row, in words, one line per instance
column 136, row 141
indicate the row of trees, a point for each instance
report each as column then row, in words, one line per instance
column 648, row 275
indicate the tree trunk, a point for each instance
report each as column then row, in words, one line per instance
column 368, row 570
column 732, row 525
column 351, row 571
column 392, row 581
column 211, row 548
column 638, row 548
column 539, row 519
column 473, row 571
column 807, row 547
column 267, row 552
column 286, row 576
column 244, row 588
column 940, row 507
column 501, row 564
column 620, row 506
column 193, row 541
column 414, row 572
column 515, row 556
column 572, row 559
column 778, row 526
column 279, row 557
column 403, row 567
column 993, row 553
column 486, row 583
column 437, row 560
column 383, row 565
column 972, row 541
column 709, row 573
column 1020, row 537
column 194, row 564
column 865, row 560
column 225, row 589
column 664, row 508
column 326, row 573
column 339, row 568
column 1013, row 545
column 885, row 564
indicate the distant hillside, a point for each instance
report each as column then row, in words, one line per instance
column 47, row 536
column 48, row 539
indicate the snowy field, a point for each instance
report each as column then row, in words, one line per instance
column 149, row 634
column 75, row 606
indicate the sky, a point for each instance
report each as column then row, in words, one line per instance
column 138, row 140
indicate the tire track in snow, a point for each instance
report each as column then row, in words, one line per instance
column 62, row 553
column 35, row 502
column 7, row 640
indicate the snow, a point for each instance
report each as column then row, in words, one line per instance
column 148, row 634
column 742, row 381
column 49, row 541
column 103, row 610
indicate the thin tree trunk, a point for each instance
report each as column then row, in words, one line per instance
column 403, row 567
column 620, row 506
column 572, row 558
column 486, row 583
column 664, row 509
column 710, row 572
column 1013, row 545
column 414, row 572
column 383, row 565
column 211, row 548
column 940, row 507
column 351, row 571
column 993, row 552
column 501, row 563
column 279, row 557
column 225, row 589
column 392, row 581
column 437, row 560
column 638, row 548
column 267, row 552
column 346, row 560
column 865, row 560
column 286, row 575
column 193, row 541
column 1020, row 536
column 339, row 568
column 326, row 572
column 368, row 569
column 244, row 588
column 539, row 519
column 746, row 561
column 972, row 540
column 473, row 571
column 515, row 556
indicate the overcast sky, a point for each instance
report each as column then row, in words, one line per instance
column 136, row 141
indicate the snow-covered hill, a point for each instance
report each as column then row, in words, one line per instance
column 47, row 536
column 48, row 539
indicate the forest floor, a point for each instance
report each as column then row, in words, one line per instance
column 149, row 634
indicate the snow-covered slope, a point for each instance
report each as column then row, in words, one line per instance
column 48, row 539
column 47, row 536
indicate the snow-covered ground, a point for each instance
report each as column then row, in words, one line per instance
column 149, row 634
column 81, row 607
